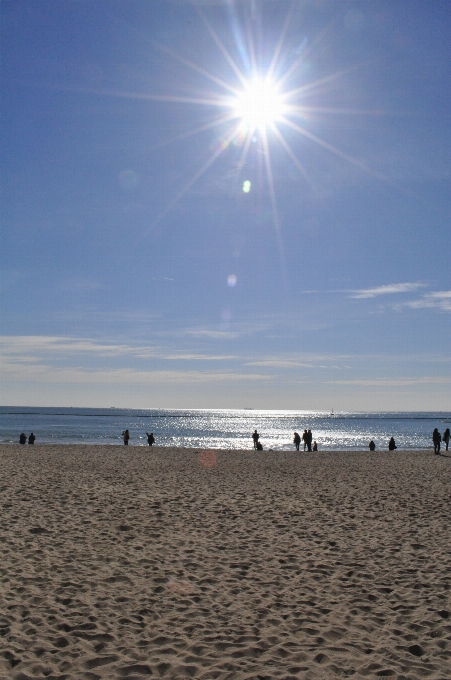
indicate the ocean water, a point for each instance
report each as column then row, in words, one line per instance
column 221, row 429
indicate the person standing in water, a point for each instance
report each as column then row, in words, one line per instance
column 126, row 437
column 150, row 438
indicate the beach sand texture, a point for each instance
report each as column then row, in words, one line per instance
column 132, row 562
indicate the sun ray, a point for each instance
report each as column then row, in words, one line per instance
column 275, row 212
column 199, row 69
column 295, row 160
column 331, row 148
column 195, row 177
column 279, row 45
column 190, row 133
column 246, row 146
column 321, row 81
column 222, row 48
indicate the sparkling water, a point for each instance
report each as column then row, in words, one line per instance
column 221, row 428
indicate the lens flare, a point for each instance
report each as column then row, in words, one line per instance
column 246, row 186
column 231, row 280
column 207, row 459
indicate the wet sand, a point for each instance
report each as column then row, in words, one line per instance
column 135, row 562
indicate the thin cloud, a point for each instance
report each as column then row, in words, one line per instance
column 121, row 376
column 27, row 349
column 394, row 382
column 438, row 300
column 388, row 289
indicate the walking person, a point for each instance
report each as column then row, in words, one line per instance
column 126, row 437
column 436, row 438
column 255, row 437
column 446, row 437
column 296, row 441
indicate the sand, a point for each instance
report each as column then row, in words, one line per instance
column 134, row 562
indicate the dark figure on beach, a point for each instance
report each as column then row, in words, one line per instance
column 446, row 437
column 309, row 440
column 259, row 446
column 296, row 441
column 255, row 437
column 392, row 445
column 150, row 438
column 436, row 438
column 23, row 438
column 31, row 438
column 305, row 438
column 372, row 446
column 315, row 446
column 126, row 436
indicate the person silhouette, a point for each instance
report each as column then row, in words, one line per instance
column 305, row 438
column 126, row 437
column 296, row 440
column 150, row 438
column 446, row 437
column 315, row 446
column 31, row 438
column 392, row 445
column 436, row 438
column 309, row 440
column 372, row 446
column 255, row 437
column 23, row 438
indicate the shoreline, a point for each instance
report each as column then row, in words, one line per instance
column 188, row 449
column 223, row 564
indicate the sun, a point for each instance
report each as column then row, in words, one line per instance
column 259, row 105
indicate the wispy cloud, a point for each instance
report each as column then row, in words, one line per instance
column 121, row 376
column 387, row 289
column 394, row 382
column 438, row 300
column 27, row 348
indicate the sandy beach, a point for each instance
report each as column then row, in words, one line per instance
column 131, row 562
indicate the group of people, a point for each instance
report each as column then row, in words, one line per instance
column 437, row 439
column 307, row 438
column 23, row 438
column 126, row 438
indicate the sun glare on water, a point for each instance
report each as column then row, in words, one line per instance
column 259, row 106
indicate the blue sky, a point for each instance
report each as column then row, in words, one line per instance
column 163, row 248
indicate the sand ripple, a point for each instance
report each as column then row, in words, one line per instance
column 138, row 563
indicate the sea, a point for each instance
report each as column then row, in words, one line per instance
column 221, row 428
